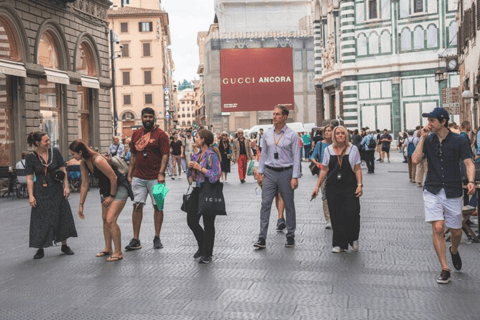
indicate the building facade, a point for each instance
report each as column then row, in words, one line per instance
column 54, row 74
column 376, row 61
column 468, row 19
column 186, row 108
column 258, row 24
column 200, row 115
column 143, row 70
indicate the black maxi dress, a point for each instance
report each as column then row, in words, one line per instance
column 343, row 204
column 51, row 221
column 225, row 163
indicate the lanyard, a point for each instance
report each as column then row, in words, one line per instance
column 44, row 162
column 340, row 158
column 275, row 139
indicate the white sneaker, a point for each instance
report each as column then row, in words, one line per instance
column 355, row 245
column 337, row 250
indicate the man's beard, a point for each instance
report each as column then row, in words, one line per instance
column 147, row 124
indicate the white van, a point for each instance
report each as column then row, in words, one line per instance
column 256, row 129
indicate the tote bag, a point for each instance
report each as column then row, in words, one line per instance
column 211, row 201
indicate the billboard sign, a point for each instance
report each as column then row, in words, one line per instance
column 256, row 79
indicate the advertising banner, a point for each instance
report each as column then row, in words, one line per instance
column 256, row 79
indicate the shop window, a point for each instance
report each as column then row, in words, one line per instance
column 47, row 52
column 147, row 77
column 146, row 49
column 126, row 78
column 127, row 99
column 85, row 63
column 6, row 134
column 145, row 26
column 148, row 98
column 125, row 51
column 10, row 44
column 124, row 27
column 50, row 115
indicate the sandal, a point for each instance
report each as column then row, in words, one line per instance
column 103, row 254
column 112, row 258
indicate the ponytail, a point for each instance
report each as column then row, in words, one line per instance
column 215, row 149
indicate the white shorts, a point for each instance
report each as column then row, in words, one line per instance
column 439, row 207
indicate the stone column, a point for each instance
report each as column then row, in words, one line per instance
column 318, row 47
column 396, row 107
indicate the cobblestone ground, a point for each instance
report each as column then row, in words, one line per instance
column 392, row 277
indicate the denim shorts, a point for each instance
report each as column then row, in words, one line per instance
column 122, row 194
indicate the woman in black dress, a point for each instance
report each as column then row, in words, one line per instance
column 225, row 151
column 341, row 167
column 51, row 218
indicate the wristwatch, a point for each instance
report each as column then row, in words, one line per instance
column 360, row 185
column 471, row 182
column 162, row 172
column 113, row 195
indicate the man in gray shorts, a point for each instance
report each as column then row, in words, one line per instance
column 443, row 187
column 150, row 152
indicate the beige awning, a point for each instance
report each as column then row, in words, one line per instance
column 12, row 68
column 57, row 76
column 89, row 82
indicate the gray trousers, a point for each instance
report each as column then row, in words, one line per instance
column 274, row 183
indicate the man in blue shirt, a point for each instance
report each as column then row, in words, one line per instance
column 443, row 187
column 369, row 148
column 278, row 172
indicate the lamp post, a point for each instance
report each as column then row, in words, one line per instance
column 114, row 40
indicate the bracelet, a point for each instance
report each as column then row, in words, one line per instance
column 113, row 195
column 162, row 172
column 471, row 182
column 360, row 185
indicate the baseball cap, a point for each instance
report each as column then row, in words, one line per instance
column 438, row 113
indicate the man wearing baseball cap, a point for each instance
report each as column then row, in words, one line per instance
column 442, row 192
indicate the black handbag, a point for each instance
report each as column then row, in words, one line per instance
column 186, row 198
column 211, row 201
column 313, row 168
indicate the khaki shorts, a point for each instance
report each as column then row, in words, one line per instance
column 141, row 189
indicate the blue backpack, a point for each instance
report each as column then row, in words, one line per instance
column 411, row 148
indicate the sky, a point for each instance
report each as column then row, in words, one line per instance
column 187, row 18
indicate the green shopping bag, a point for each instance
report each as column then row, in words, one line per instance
column 160, row 191
column 251, row 166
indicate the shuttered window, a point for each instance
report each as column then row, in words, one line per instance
column 147, row 77
column 148, row 98
column 417, row 6
column 467, row 26
column 478, row 14
column 145, row 26
column 146, row 49
column 124, row 27
column 126, row 78
column 125, row 51
column 127, row 99
column 372, row 7
column 474, row 22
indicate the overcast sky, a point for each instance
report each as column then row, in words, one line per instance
column 187, row 18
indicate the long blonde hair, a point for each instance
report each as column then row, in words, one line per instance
column 347, row 136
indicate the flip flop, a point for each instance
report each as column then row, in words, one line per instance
column 102, row 254
column 112, row 258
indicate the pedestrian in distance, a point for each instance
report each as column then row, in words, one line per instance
column 317, row 159
column 369, row 145
column 116, row 148
column 189, row 147
column 176, row 150
column 204, row 165
column 242, row 153
column 341, row 168
column 278, row 172
column 410, row 145
column 114, row 192
column 259, row 141
column 51, row 218
column 150, row 153
column 226, row 155
column 385, row 141
column 379, row 145
column 442, row 192
column 307, row 145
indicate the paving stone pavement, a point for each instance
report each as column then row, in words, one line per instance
column 391, row 277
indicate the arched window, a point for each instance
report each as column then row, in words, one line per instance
column 373, row 43
column 189, row 123
column 183, row 123
column 452, row 32
column 128, row 116
column 10, row 43
column 432, row 36
column 47, row 51
column 188, row 115
column 418, row 38
column 362, row 45
column 406, row 44
column 85, row 61
column 386, row 42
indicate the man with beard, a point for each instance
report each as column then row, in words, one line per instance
column 150, row 152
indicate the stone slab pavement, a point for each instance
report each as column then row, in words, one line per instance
column 391, row 277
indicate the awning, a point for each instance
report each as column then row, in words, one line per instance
column 57, row 76
column 89, row 82
column 12, row 68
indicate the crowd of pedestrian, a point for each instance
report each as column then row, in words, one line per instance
column 433, row 153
